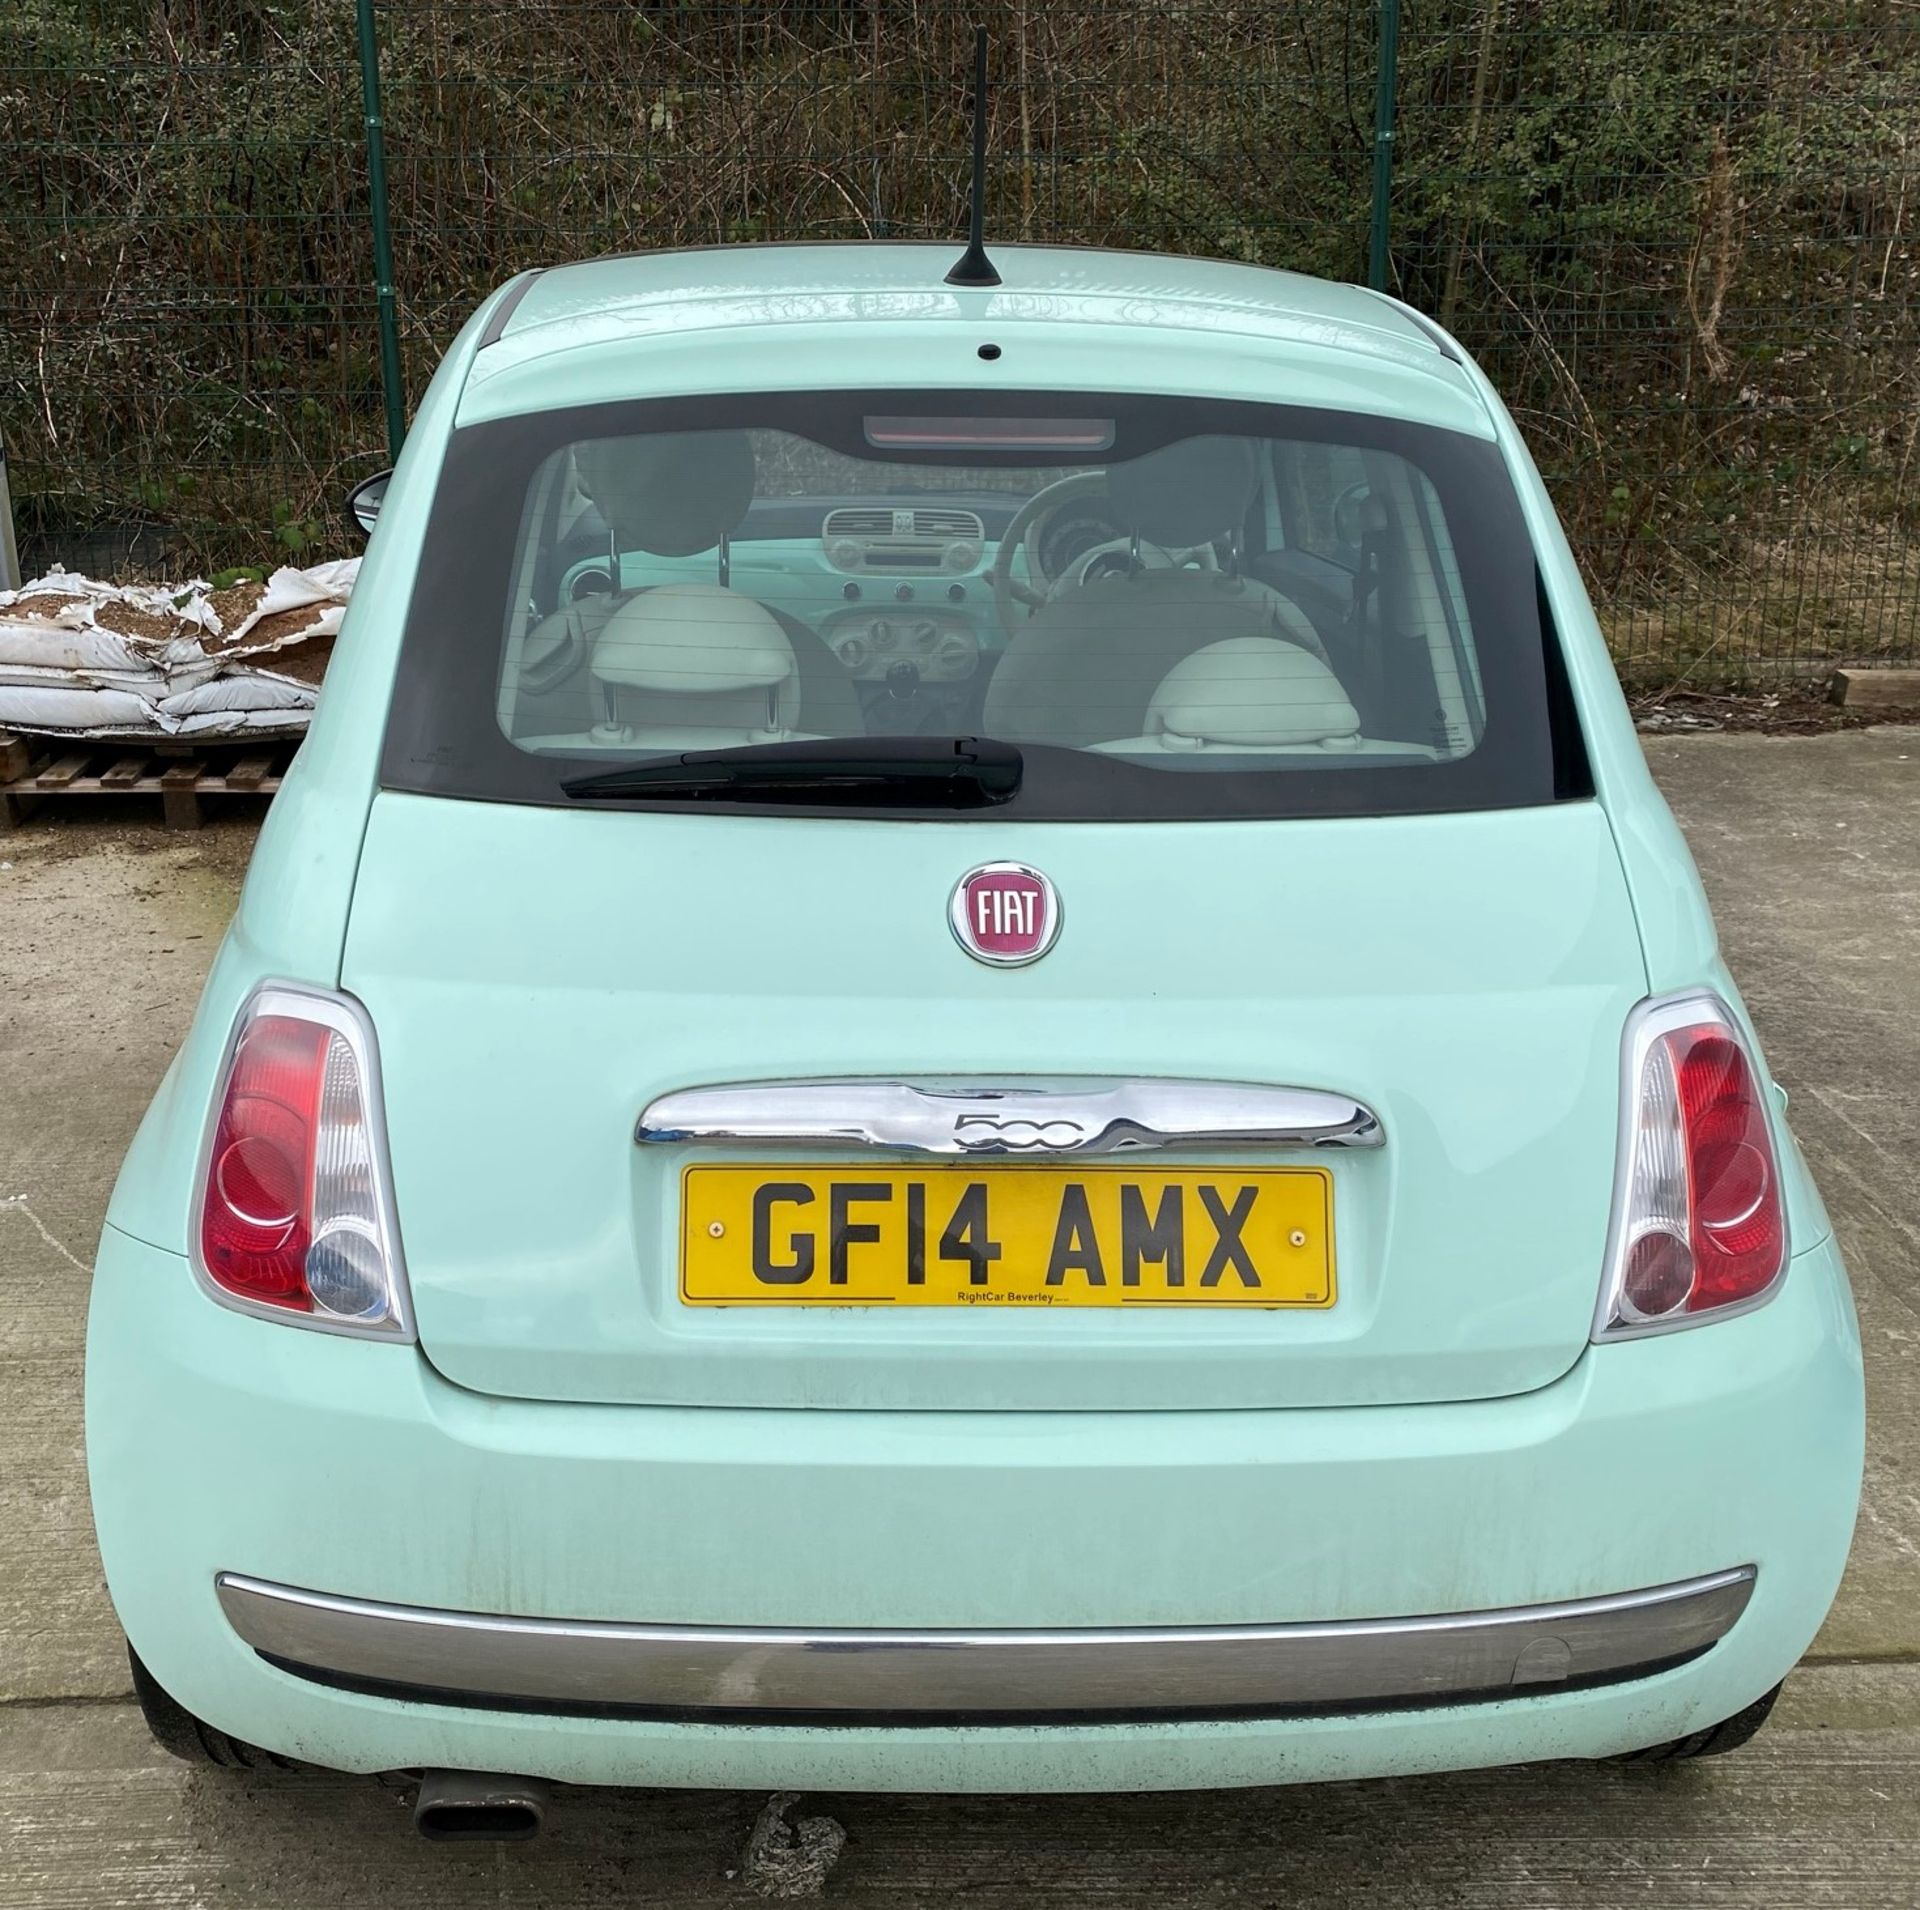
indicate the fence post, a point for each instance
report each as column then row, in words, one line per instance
column 382, row 233
column 1386, row 79
column 9, row 552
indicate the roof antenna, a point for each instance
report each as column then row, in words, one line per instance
column 973, row 267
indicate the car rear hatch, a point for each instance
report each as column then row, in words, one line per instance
column 540, row 977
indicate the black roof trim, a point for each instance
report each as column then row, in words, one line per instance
column 504, row 311
column 1441, row 342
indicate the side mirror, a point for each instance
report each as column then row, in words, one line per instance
column 365, row 499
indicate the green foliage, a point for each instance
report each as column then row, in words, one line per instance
column 294, row 534
column 1675, row 231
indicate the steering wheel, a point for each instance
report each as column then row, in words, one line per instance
column 1009, row 590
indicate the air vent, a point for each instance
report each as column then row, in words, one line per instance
column 945, row 524
column 858, row 524
column 865, row 538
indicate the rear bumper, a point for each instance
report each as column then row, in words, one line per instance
column 222, row 1444
column 742, row 1673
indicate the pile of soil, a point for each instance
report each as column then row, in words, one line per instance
column 44, row 604
column 129, row 620
column 306, row 663
column 84, row 658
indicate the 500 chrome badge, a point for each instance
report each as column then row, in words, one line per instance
column 1005, row 914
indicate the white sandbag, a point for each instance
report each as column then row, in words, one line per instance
column 77, row 712
column 55, row 646
column 153, row 684
column 241, row 690
column 73, row 676
column 179, row 669
column 242, row 722
column 68, row 639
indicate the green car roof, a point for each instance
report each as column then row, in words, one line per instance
column 882, row 314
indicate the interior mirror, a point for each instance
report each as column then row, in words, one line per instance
column 365, row 499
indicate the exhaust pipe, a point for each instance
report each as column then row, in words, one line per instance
column 479, row 1807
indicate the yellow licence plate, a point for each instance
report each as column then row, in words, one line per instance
column 1006, row 1234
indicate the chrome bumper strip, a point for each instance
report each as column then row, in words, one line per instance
column 1008, row 1117
column 1035, row 1676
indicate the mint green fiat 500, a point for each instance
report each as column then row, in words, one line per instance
column 968, row 1056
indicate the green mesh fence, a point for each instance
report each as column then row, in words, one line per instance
column 188, row 360
column 1675, row 234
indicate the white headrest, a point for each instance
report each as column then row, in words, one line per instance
column 693, row 639
column 1255, row 691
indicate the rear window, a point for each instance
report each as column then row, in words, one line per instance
column 1172, row 608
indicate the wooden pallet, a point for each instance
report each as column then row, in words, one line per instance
column 37, row 769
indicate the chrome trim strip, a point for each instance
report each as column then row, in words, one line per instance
column 1006, row 1117
column 469, row 1657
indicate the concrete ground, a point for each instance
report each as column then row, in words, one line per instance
column 1811, row 847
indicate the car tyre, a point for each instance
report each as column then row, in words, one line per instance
column 1728, row 1735
column 176, row 1729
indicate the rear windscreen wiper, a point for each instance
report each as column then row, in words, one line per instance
column 917, row 772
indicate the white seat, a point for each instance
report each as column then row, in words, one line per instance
column 1246, row 693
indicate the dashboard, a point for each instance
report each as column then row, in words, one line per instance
column 941, row 648
column 884, row 582
column 897, row 588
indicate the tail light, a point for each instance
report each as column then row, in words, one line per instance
column 1699, row 1225
column 296, row 1214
